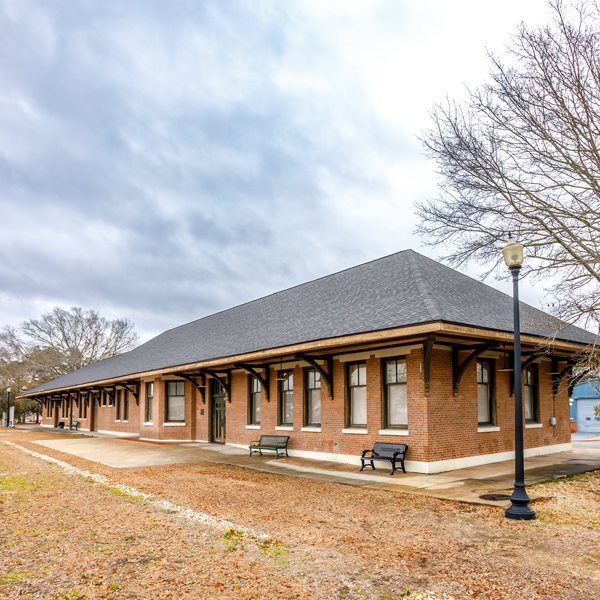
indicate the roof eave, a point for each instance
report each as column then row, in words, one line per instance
column 329, row 343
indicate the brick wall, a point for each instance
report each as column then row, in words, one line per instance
column 440, row 427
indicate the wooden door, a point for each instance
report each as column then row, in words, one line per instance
column 217, row 412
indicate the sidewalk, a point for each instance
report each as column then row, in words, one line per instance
column 465, row 485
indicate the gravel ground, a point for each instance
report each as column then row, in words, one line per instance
column 300, row 538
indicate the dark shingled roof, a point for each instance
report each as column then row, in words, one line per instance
column 403, row 289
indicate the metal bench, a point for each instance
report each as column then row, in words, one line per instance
column 388, row 452
column 270, row 442
column 74, row 425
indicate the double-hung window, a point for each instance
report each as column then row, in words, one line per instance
column 254, row 401
column 149, row 400
column 395, row 414
column 312, row 377
column 485, row 412
column 175, row 401
column 286, row 398
column 530, row 399
column 357, row 395
column 125, row 404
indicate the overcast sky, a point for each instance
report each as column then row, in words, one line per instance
column 165, row 160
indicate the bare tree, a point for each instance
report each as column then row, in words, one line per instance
column 58, row 343
column 522, row 155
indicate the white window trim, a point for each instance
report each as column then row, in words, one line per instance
column 358, row 430
column 313, row 429
column 148, row 423
column 394, row 432
column 284, row 428
column 533, row 425
column 486, row 428
column 252, row 426
column 173, row 424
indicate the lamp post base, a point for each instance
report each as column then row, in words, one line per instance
column 520, row 511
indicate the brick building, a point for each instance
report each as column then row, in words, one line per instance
column 402, row 349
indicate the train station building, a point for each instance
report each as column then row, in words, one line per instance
column 401, row 349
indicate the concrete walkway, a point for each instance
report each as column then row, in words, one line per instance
column 465, row 485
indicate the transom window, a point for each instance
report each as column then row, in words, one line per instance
column 396, row 402
column 313, row 398
column 484, row 393
column 286, row 397
column 254, row 401
column 175, row 400
column 357, row 385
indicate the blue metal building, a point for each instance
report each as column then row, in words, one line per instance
column 585, row 397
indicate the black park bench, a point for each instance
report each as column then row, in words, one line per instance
column 270, row 442
column 389, row 452
column 74, row 425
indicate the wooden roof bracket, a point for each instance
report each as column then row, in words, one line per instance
column 110, row 391
column 224, row 381
column 201, row 387
column 427, row 352
column 511, row 374
column 264, row 381
column 135, row 392
column 557, row 378
column 75, row 398
column 326, row 376
column 459, row 370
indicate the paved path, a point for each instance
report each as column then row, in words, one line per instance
column 466, row 485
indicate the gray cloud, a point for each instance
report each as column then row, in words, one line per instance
column 162, row 161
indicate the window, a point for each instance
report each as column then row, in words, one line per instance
column 175, row 409
column 286, row 398
column 254, row 401
column 485, row 415
column 81, row 401
column 104, row 402
column 149, row 401
column 118, row 403
column 357, row 395
column 313, row 398
column 125, row 405
column 395, row 413
column 530, row 399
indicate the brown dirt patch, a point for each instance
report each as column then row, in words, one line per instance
column 349, row 542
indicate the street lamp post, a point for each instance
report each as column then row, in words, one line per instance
column 519, row 509
column 8, row 407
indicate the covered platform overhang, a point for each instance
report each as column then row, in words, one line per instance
column 465, row 342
